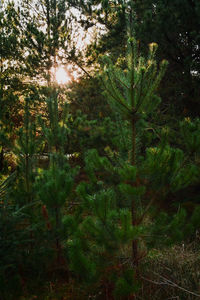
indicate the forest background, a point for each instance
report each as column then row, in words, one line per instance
column 99, row 178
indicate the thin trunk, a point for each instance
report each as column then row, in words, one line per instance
column 58, row 245
column 27, row 175
column 49, row 44
column 133, row 162
column 27, row 167
column 1, row 159
column 133, row 156
column 133, row 207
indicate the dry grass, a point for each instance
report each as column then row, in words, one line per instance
column 172, row 274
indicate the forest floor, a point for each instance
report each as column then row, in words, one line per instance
column 171, row 273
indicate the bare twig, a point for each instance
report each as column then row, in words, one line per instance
column 81, row 67
column 173, row 284
column 152, row 281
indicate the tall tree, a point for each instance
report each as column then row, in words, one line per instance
column 46, row 32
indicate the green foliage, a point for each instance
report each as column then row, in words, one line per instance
column 80, row 262
column 55, row 130
column 128, row 172
column 106, row 228
column 55, row 181
column 138, row 82
column 175, row 228
column 27, row 146
column 190, row 135
column 125, row 285
column 16, row 253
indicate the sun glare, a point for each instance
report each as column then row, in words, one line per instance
column 61, row 76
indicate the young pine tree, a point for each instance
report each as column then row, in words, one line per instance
column 54, row 185
column 132, row 93
column 146, row 179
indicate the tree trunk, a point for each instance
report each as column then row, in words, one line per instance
column 1, row 159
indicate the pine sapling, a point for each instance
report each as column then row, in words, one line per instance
column 131, row 92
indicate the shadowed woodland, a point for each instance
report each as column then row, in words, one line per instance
column 100, row 150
